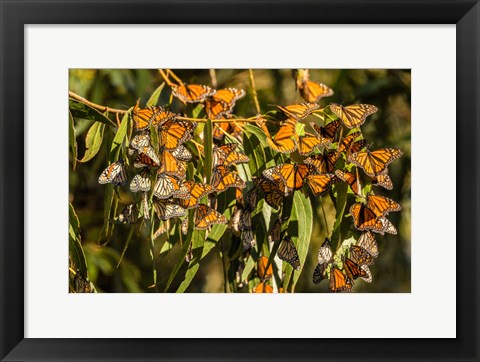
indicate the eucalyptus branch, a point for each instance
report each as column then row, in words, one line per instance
column 254, row 91
column 94, row 105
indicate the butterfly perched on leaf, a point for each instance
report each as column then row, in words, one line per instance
column 128, row 214
column 141, row 181
column 308, row 143
column 312, row 91
column 384, row 181
column 275, row 233
column 327, row 133
column 175, row 132
column 286, row 138
column 288, row 252
column 351, row 180
column 143, row 118
column 195, row 192
column 347, row 141
column 354, row 115
column 292, row 175
column 114, row 174
column 168, row 186
column 171, row 166
column 323, row 163
column 273, row 193
column 140, row 141
column 320, row 184
column 222, row 102
column 298, row 111
column 223, row 178
column 367, row 241
column 324, row 259
column 371, row 216
column 205, row 216
column 192, row 93
column 262, row 271
column 352, row 269
column 339, row 282
column 360, row 255
column 227, row 155
column 375, row 163
column 168, row 209
column 146, row 157
column 181, row 153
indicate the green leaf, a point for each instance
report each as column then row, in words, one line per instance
column 110, row 204
column 300, row 229
column 254, row 149
column 81, row 110
column 93, row 141
column 198, row 241
column 208, row 143
column 127, row 243
column 73, row 140
column 76, row 249
column 153, row 100
column 120, row 136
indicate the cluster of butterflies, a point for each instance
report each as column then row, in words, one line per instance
column 165, row 168
column 172, row 195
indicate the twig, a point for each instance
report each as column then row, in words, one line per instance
column 254, row 91
column 213, row 77
column 94, row 105
column 165, row 77
column 174, row 76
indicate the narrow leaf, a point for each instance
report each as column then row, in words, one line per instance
column 73, row 140
column 81, row 110
column 93, row 141
column 153, row 100
column 76, row 249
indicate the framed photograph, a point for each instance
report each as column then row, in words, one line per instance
column 197, row 188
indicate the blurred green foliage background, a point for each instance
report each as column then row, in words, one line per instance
column 388, row 89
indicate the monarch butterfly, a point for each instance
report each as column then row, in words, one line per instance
column 354, row 115
column 275, row 234
column 288, row 252
column 351, row 180
column 147, row 157
column 292, row 174
column 168, row 186
column 174, row 133
column 383, row 180
column 339, row 282
column 367, row 241
column 114, row 174
column 298, row 111
column 226, row 155
column 182, row 154
column 248, row 238
column 273, row 195
column 192, row 93
column 320, row 184
column 128, row 214
column 375, row 163
column 352, row 269
column 251, row 200
column 367, row 277
column 222, row 102
column 141, row 181
column 206, row 216
column 262, row 271
column 195, row 192
column 222, row 179
column 324, row 163
column 141, row 141
column 307, row 144
column 171, row 166
column 381, row 205
column 285, row 140
column 365, row 219
column 347, row 141
column 263, row 288
column 360, row 256
column 325, row 257
column 357, row 146
column 327, row 133
column 166, row 209
column 387, row 226
column 312, row 91
column 220, row 128
column 144, row 118
column 146, row 214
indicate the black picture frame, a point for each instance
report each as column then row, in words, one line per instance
column 465, row 14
